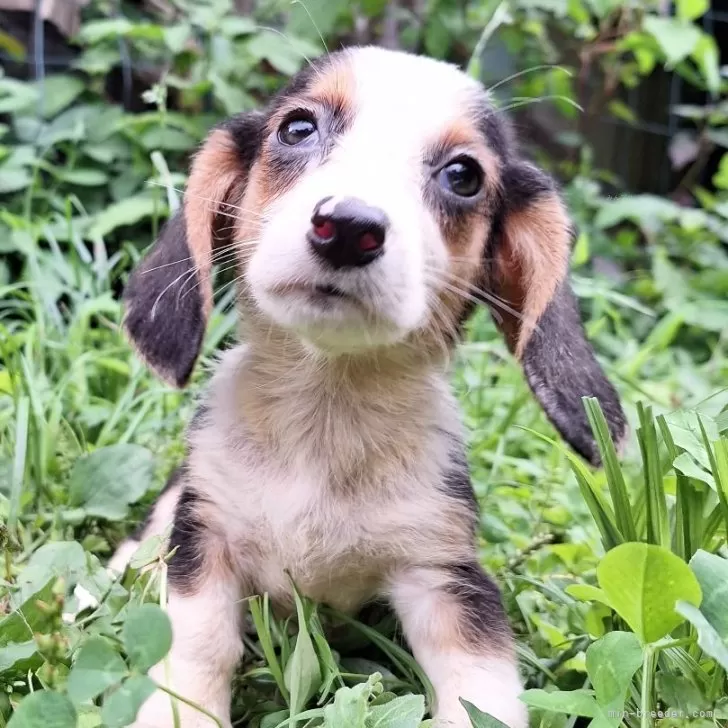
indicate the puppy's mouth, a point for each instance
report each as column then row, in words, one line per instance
column 329, row 291
column 318, row 293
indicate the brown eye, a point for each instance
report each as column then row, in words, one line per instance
column 295, row 131
column 463, row 177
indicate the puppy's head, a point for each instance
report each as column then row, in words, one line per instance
column 369, row 206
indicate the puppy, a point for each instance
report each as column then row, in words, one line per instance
column 367, row 208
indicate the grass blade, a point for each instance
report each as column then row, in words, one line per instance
column 21, row 447
column 719, row 467
column 599, row 508
column 612, row 469
column 259, row 611
column 656, row 504
column 688, row 503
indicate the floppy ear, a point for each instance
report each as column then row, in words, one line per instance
column 530, row 250
column 168, row 297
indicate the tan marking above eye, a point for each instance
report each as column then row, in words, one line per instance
column 463, row 134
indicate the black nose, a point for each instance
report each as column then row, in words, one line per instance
column 348, row 233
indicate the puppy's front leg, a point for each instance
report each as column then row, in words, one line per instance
column 454, row 622
column 205, row 610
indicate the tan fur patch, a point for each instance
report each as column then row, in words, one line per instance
column 533, row 261
column 215, row 173
column 334, row 87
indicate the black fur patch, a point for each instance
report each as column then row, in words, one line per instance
column 456, row 479
column 560, row 367
column 188, row 532
column 164, row 315
column 246, row 131
column 523, row 184
column 496, row 129
column 478, row 596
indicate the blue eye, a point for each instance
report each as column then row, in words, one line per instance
column 295, row 131
column 463, row 177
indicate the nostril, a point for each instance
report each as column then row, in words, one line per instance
column 369, row 242
column 324, row 229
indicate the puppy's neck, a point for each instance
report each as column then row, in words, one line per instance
column 346, row 414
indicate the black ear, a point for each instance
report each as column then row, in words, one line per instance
column 560, row 368
column 165, row 317
column 169, row 296
column 530, row 249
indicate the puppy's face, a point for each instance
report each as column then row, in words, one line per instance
column 370, row 200
column 372, row 203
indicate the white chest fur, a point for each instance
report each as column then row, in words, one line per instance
column 336, row 502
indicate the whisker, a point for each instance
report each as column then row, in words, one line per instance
column 536, row 100
column 457, row 279
column 514, row 76
column 489, row 297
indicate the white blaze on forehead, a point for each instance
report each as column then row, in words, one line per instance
column 407, row 100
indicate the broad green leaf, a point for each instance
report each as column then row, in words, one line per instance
column 84, row 177
column 707, row 56
column 56, row 560
column 149, row 551
column 303, row 672
column 611, row 662
column 147, row 636
column 44, row 709
column 406, row 711
column 712, row 574
column 479, row 719
column 105, row 482
column 121, row 707
column 687, row 466
column 572, row 702
column 677, row 38
column 587, row 593
column 314, row 18
column 643, row 582
column 18, row 657
column 279, row 51
column 97, row 30
column 349, row 707
column 176, row 36
column 16, row 96
column 126, row 212
column 97, row 667
column 708, row 639
column 20, row 625
column 13, row 179
column 649, row 211
column 58, row 92
column 691, row 9
column 580, row 253
column 168, row 139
